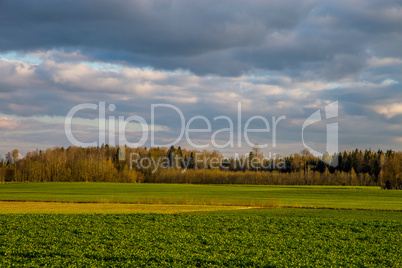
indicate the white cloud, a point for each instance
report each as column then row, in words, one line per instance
column 382, row 62
column 389, row 110
column 50, row 88
column 8, row 123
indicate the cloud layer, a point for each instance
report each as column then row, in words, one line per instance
column 277, row 58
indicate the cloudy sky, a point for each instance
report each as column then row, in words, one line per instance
column 278, row 58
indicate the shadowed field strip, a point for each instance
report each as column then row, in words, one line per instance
column 56, row 207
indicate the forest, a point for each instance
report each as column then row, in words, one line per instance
column 176, row 165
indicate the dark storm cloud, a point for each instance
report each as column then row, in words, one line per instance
column 158, row 28
column 209, row 37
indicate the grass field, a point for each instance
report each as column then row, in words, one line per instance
column 183, row 194
column 105, row 208
column 168, row 225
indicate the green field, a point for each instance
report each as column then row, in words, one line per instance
column 157, row 240
column 247, row 195
column 105, row 208
column 82, row 224
column 307, row 213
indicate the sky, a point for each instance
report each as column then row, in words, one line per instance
column 277, row 59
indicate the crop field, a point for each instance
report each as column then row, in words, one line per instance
column 193, row 241
column 157, row 225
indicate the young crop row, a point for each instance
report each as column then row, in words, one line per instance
column 194, row 240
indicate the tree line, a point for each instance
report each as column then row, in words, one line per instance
column 176, row 165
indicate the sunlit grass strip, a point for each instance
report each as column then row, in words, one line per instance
column 198, row 200
column 105, row 208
